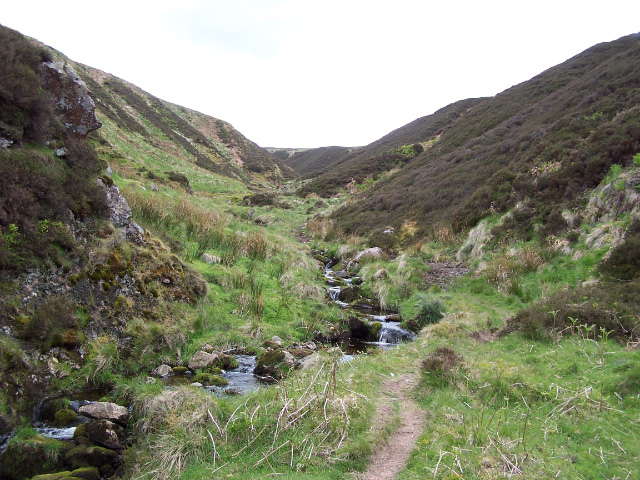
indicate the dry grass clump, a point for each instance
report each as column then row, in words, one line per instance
column 320, row 228
column 309, row 291
column 174, row 425
column 257, row 245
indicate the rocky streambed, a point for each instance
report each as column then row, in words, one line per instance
column 369, row 327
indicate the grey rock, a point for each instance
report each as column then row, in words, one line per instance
column 290, row 360
column 118, row 206
column 310, row 361
column 196, row 384
column 162, row 371
column 277, row 340
column 202, row 359
column 106, row 434
column 105, row 411
column 73, row 102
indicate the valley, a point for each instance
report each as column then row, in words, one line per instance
column 462, row 294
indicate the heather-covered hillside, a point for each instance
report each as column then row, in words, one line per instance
column 538, row 145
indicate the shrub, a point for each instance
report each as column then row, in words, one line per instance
column 610, row 306
column 443, row 360
column 636, row 159
column 25, row 109
column 428, row 311
column 48, row 325
column 624, row 261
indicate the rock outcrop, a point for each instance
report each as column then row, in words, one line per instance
column 72, row 99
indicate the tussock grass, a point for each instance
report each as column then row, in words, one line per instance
column 302, row 425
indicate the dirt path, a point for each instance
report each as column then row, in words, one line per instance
column 391, row 457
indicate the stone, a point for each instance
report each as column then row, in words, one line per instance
column 162, row 371
column 277, row 340
column 86, row 473
column 290, row 360
column 73, row 102
column 196, row 384
column 202, row 359
column 154, row 188
column 310, row 361
column 82, row 456
column 210, row 259
column 350, row 294
column 119, row 209
column 106, row 434
column 105, row 411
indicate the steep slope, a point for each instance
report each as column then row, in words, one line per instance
column 384, row 154
column 541, row 143
column 314, row 160
column 207, row 142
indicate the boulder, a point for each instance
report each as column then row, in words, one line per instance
column 359, row 328
column 350, row 294
column 202, row 359
column 162, row 371
column 290, row 360
column 30, row 457
column 271, row 364
column 73, row 102
column 86, row 473
column 311, row 361
column 82, row 456
column 277, row 340
column 119, row 209
column 105, row 411
column 106, row 434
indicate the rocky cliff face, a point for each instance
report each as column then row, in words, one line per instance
column 73, row 102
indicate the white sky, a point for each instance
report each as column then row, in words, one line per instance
column 299, row 73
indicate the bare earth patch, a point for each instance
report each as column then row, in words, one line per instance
column 391, row 457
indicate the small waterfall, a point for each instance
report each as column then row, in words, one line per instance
column 392, row 333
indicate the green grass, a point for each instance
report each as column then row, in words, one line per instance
column 545, row 409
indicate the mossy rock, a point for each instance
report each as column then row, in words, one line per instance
column 374, row 331
column 65, row 418
column 180, row 370
column 17, row 461
column 209, row 379
column 66, row 475
column 350, row 294
column 271, row 363
column 300, row 352
column 86, row 473
column 270, row 344
column 227, row 362
column 89, row 456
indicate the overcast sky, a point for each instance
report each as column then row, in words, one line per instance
column 297, row 73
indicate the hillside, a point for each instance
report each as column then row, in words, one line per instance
column 385, row 154
column 542, row 143
column 189, row 136
column 314, row 160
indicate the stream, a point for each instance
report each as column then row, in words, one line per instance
column 391, row 333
